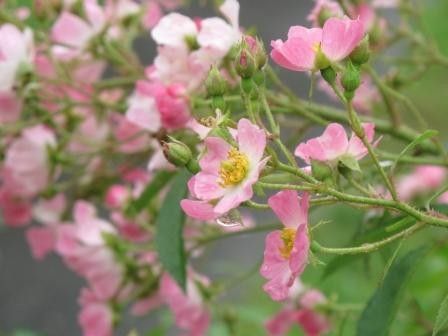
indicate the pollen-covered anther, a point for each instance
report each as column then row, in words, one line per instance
column 288, row 236
column 234, row 169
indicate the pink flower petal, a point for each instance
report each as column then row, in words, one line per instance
column 286, row 206
column 340, row 37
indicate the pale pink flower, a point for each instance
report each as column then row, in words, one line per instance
column 326, row 8
column 154, row 105
column 421, row 180
column 27, row 163
column 335, row 41
column 286, row 250
column 74, row 32
column 129, row 136
column 176, row 63
column 83, row 248
column 227, row 173
column 117, row 195
column 16, row 51
column 300, row 310
column 188, row 308
column 10, row 107
column 95, row 317
column 42, row 240
column 333, row 144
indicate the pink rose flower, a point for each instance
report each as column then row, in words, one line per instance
column 303, row 313
column 227, row 173
column 422, row 179
column 154, row 105
column 315, row 48
column 16, row 50
column 95, row 317
column 188, row 309
column 286, row 250
column 334, row 144
column 83, row 248
column 27, row 165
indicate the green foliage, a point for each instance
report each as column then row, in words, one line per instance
column 169, row 234
column 442, row 317
column 381, row 309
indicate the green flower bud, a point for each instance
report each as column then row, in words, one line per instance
column 245, row 63
column 321, row 171
column 215, row 83
column 361, row 54
column 329, row 75
column 351, row 78
column 177, row 153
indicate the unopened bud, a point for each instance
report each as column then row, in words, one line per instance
column 329, row 75
column 351, row 78
column 324, row 15
column 361, row 54
column 215, row 83
column 245, row 62
column 321, row 171
column 177, row 153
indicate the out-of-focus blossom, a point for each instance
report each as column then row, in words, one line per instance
column 154, row 105
column 95, row 317
column 16, row 210
column 83, row 248
column 300, row 310
column 27, row 166
column 189, row 311
column 323, row 10
column 333, row 144
column 16, row 51
column 227, row 173
column 316, row 48
column 286, row 250
column 423, row 179
column 187, row 48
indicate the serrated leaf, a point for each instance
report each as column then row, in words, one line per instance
column 152, row 189
column 169, row 225
column 382, row 307
column 442, row 317
column 428, row 134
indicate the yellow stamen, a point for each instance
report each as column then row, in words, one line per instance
column 288, row 236
column 234, row 169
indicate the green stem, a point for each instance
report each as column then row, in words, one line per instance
column 368, row 247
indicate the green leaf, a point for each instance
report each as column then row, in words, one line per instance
column 158, row 182
column 169, row 225
column 428, row 134
column 382, row 307
column 442, row 317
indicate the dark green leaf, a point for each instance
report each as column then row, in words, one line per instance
column 169, row 224
column 158, row 182
column 442, row 317
column 383, row 305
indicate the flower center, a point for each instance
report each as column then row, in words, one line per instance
column 288, row 236
column 234, row 169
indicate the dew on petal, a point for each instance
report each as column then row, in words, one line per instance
column 230, row 219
